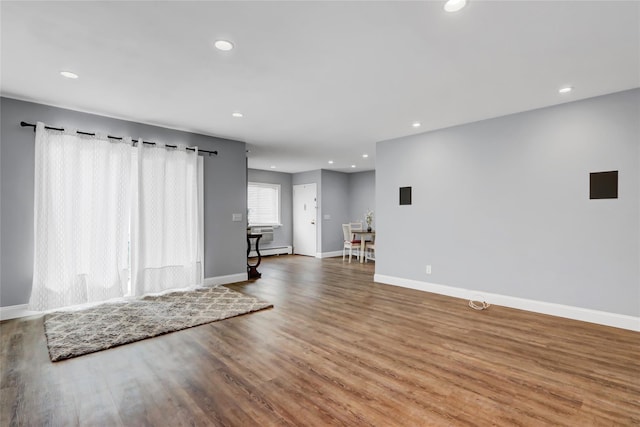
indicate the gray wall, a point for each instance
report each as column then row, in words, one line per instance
column 362, row 196
column 225, row 190
column 343, row 197
column 502, row 205
column 282, row 236
column 334, row 208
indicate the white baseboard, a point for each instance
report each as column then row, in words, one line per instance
column 553, row 309
column 284, row 250
column 15, row 311
column 328, row 254
column 224, row 280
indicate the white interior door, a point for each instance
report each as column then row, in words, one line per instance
column 305, row 208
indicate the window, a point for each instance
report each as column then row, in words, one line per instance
column 263, row 203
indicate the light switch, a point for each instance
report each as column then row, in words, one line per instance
column 326, row 216
column 237, row 217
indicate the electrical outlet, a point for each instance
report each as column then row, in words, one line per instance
column 236, row 217
column 428, row 269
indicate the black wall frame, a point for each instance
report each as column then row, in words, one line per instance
column 603, row 185
column 405, row 195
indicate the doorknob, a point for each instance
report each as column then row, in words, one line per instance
column 313, row 221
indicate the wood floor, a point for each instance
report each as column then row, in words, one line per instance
column 337, row 349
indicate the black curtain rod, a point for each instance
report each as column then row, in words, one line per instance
column 25, row 124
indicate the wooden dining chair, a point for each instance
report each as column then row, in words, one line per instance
column 370, row 249
column 350, row 242
column 356, row 226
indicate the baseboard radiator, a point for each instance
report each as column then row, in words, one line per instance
column 280, row 250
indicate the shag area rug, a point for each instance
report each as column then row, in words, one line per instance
column 74, row 333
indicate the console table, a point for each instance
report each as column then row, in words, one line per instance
column 252, row 270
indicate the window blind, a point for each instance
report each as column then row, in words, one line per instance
column 263, row 203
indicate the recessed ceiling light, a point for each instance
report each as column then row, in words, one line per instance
column 330, row 162
column 68, row 74
column 454, row 5
column 273, row 167
column 365, row 156
column 416, row 124
column 224, row 45
column 566, row 89
column 353, row 166
column 237, row 114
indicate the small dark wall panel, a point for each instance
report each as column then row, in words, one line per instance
column 603, row 185
column 405, row 195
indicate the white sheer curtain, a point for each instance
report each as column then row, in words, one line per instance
column 166, row 226
column 81, row 209
column 101, row 206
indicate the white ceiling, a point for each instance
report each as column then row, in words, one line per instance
column 316, row 80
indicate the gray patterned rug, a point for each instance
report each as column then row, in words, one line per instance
column 74, row 333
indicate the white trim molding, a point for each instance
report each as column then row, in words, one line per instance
column 283, row 250
column 570, row 312
column 15, row 311
column 328, row 254
column 225, row 280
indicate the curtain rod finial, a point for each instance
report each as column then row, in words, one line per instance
column 25, row 124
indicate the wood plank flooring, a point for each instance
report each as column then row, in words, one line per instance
column 337, row 349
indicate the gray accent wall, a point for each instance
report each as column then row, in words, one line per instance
column 225, row 190
column 502, row 205
column 282, row 236
column 341, row 197
column 334, row 209
column 362, row 196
